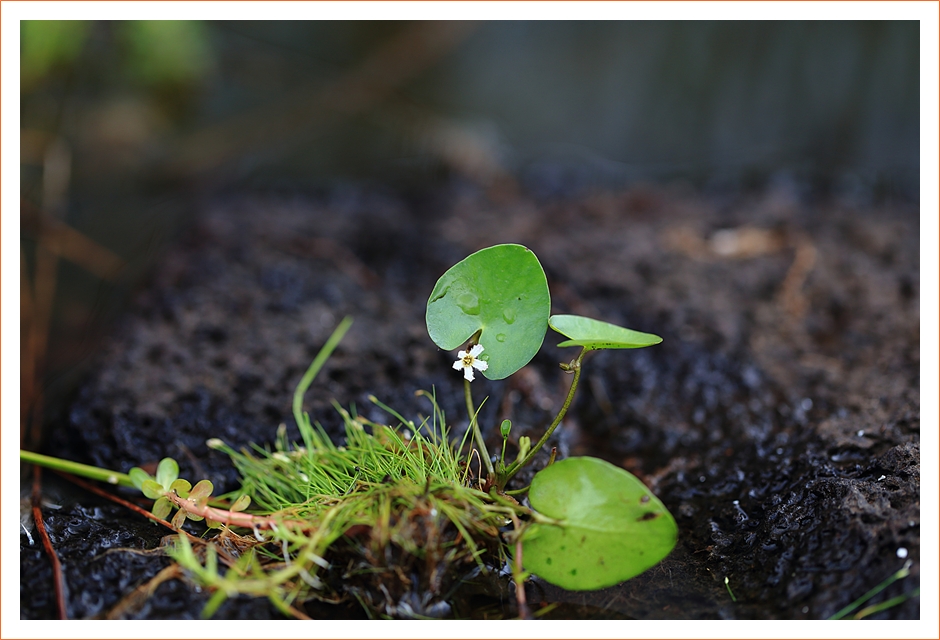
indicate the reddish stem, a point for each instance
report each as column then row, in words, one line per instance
column 231, row 518
column 57, row 578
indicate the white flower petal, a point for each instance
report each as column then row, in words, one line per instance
column 476, row 350
column 468, row 373
column 479, row 364
column 459, row 364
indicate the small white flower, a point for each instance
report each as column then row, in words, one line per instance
column 467, row 360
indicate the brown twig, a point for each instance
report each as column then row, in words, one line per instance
column 66, row 242
column 57, row 578
column 39, row 304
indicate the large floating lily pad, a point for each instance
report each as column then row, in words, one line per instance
column 500, row 290
column 594, row 334
column 613, row 528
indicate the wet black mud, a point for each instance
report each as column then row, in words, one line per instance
column 778, row 421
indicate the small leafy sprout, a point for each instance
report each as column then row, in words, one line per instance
column 504, row 430
column 167, row 479
column 525, row 443
column 166, row 482
column 469, row 360
column 600, row 525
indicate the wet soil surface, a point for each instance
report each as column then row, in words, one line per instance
column 778, row 421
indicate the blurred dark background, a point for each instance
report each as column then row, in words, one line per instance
column 128, row 126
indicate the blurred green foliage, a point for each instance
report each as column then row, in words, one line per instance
column 155, row 53
column 47, row 44
column 165, row 52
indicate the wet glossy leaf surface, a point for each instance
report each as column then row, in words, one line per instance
column 613, row 529
column 501, row 290
column 595, row 334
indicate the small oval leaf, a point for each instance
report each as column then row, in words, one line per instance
column 179, row 519
column 167, row 472
column 501, row 290
column 613, row 528
column 138, row 476
column 595, row 334
column 152, row 489
column 201, row 491
column 241, row 504
column 162, row 508
column 181, row 487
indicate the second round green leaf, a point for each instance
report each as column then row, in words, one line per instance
column 612, row 527
column 501, row 290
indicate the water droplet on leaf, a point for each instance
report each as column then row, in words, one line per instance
column 469, row 303
column 509, row 315
column 500, row 337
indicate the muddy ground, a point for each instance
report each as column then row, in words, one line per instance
column 778, row 421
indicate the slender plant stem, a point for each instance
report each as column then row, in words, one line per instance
column 903, row 572
column 57, row 577
column 474, row 425
column 314, row 369
column 233, row 518
column 516, row 466
column 76, row 468
column 887, row 604
column 518, row 575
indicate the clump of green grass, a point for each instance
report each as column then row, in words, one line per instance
column 402, row 493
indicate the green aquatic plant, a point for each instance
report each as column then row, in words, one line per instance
column 606, row 526
column 316, row 519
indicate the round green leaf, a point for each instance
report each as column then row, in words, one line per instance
column 167, row 472
column 201, row 492
column 501, row 290
column 613, row 528
column 152, row 489
column 181, row 487
column 241, row 504
column 162, row 508
column 594, row 334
